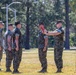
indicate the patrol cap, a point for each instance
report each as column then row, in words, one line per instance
column 1, row 23
column 59, row 21
column 16, row 23
column 10, row 25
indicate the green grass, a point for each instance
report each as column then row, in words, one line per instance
column 30, row 63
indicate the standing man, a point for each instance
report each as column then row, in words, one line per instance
column 8, row 37
column 58, row 48
column 1, row 41
column 42, row 48
column 18, row 50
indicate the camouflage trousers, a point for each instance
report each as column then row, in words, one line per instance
column 58, row 52
column 9, row 58
column 42, row 58
column 1, row 53
column 17, row 56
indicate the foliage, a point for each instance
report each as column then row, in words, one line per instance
column 73, row 5
column 72, row 16
column 72, row 39
column 48, row 11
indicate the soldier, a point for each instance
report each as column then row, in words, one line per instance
column 58, row 48
column 1, row 41
column 8, row 37
column 42, row 48
column 17, row 45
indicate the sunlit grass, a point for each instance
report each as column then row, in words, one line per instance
column 30, row 64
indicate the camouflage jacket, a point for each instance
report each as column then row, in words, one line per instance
column 17, row 32
column 41, row 39
column 6, row 35
column 1, row 37
column 59, row 39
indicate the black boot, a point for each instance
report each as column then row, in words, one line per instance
column 42, row 71
column 0, row 69
column 8, row 70
column 16, row 71
column 59, row 71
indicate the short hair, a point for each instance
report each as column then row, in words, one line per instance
column 59, row 22
column 10, row 25
column 16, row 23
column 41, row 23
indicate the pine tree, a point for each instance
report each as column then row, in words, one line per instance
column 58, row 11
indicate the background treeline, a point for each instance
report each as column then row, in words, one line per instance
column 48, row 11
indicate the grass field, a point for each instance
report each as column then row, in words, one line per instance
column 30, row 63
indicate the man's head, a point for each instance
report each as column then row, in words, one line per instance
column 59, row 24
column 10, row 27
column 41, row 26
column 18, row 24
column 1, row 24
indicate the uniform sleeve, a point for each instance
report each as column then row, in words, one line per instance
column 9, row 37
column 45, row 36
column 17, row 34
column 58, row 30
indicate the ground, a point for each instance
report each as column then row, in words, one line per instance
column 30, row 64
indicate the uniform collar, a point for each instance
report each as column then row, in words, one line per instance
column 60, row 28
column 40, row 31
column 9, row 30
column 0, row 28
column 17, row 28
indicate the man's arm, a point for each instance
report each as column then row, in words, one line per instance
column 9, row 42
column 17, row 41
column 52, row 33
column 46, row 43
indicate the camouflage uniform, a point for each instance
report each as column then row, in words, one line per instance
column 1, row 43
column 42, row 54
column 9, row 54
column 58, row 49
column 17, row 54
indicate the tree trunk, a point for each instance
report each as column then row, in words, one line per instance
column 27, row 27
column 67, row 47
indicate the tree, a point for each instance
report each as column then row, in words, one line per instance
column 48, row 11
column 28, row 5
column 58, row 10
column 67, row 25
column 73, row 19
column 73, row 5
